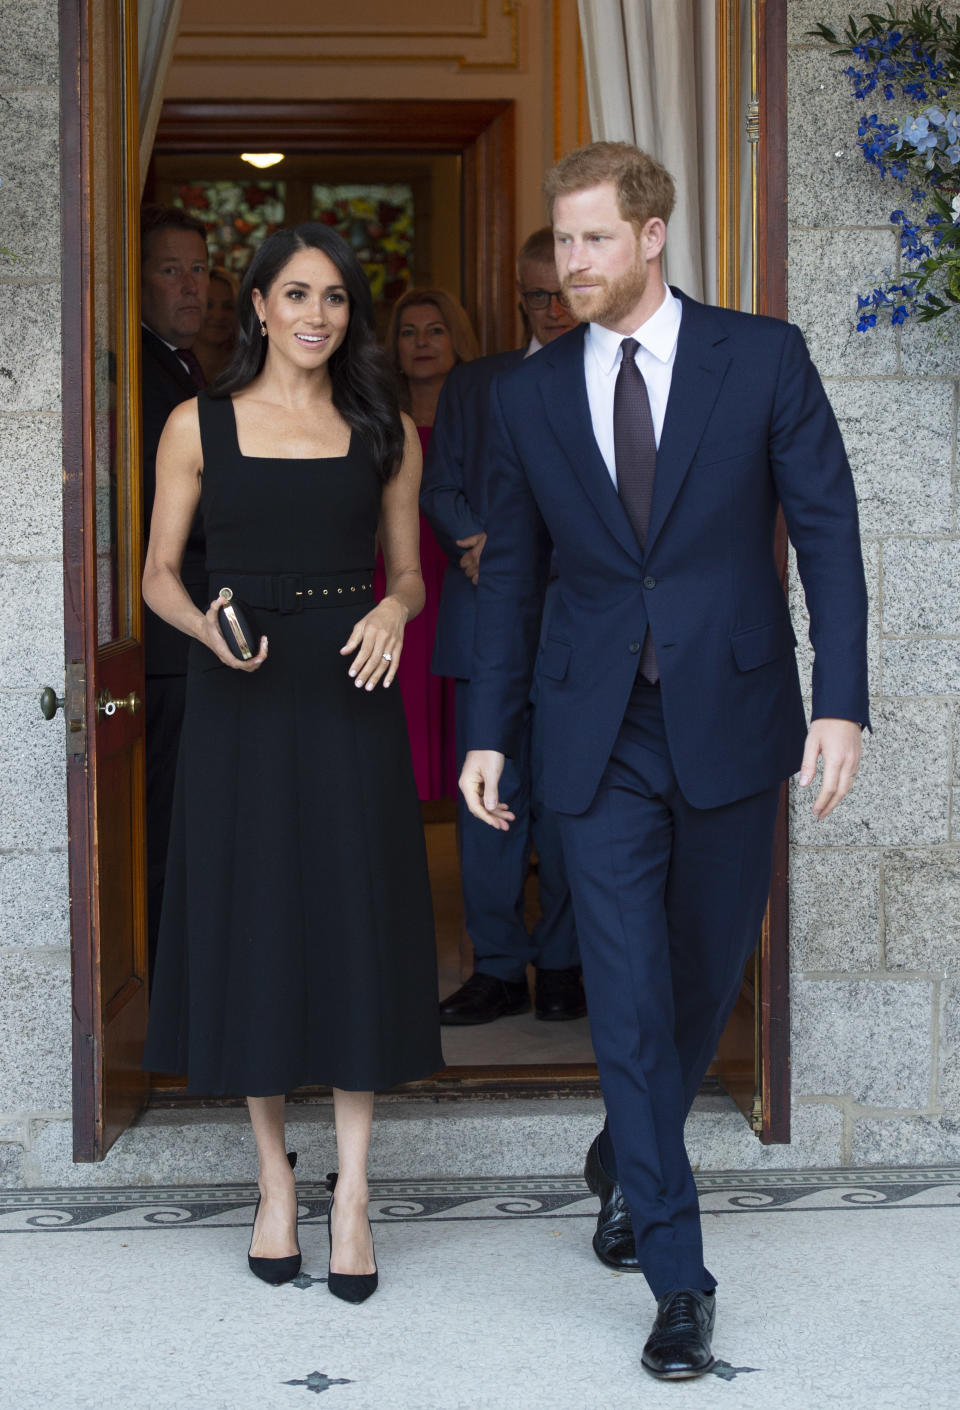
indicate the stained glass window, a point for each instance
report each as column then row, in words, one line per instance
column 238, row 216
column 377, row 222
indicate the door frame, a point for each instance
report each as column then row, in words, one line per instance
column 483, row 133
column 480, row 131
column 109, row 1087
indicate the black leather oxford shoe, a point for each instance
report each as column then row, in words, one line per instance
column 613, row 1243
column 483, row 998
column 678, row 1347
column 559, row 995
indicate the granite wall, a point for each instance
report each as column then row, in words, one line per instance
column 875, row 890
column 34, row 920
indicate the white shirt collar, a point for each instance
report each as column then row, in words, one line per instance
column 658, row 335
column 172, row 346
column 533, row 346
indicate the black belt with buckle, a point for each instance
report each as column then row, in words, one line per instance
column 295, row 592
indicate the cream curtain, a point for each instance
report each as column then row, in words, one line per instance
column 651, row 79
column 157, row 22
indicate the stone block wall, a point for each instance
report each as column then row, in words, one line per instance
column 875, row 890
column 34, row 907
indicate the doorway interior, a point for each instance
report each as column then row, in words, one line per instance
column 240, row 205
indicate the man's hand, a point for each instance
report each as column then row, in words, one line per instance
column 839, row 742
column 470, row 562
column 479, row 783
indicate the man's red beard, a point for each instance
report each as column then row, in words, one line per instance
column 609, row 300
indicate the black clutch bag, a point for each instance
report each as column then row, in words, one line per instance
column 238, row 627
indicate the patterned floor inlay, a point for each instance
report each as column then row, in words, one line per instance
column 726, row 1372
column 317, row 1382
column 305, row 1281
column 553, row 1196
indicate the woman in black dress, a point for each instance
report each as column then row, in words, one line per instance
column 296, row 942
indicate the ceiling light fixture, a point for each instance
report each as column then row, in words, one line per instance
column 261, row 159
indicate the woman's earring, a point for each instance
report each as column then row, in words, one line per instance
column 263, row 329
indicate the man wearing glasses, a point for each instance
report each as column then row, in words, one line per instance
column 494, row 865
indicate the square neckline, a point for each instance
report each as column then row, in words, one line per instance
column 287, row 459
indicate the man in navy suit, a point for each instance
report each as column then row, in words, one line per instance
column 650, row 451
column 173, row 294
column 493, row 867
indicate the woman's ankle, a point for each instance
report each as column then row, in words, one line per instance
column 273, row 1176
column 353, row 1192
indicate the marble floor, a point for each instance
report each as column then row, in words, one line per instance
column 838, row 1289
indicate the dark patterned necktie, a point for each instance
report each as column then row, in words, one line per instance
column 192, row 363
column 635, row 451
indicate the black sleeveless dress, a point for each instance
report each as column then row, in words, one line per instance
column 296, row 941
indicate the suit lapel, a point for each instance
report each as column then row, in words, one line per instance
column 167, row 359
column 564, row 393
column 698, row 371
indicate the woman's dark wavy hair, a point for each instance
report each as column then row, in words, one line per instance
column 364, row 390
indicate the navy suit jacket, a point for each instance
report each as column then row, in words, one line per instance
column 166, row 383
column 454, row 498
column 748, row 428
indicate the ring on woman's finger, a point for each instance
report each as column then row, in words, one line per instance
column 386, row 655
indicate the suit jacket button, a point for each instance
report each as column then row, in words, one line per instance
column 634, row 647
column 649, row 582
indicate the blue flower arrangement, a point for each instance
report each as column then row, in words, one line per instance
column 913, row 62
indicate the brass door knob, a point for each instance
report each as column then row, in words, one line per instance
column 106, row 705
column 50, row 702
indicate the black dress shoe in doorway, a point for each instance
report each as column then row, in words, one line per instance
column 558, row 995
column 678, row 1348
column 483, row 998
column 613, row 1243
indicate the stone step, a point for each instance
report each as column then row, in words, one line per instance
column 413, row 1138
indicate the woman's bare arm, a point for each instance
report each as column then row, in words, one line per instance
column 179, row 467
column 379, row 635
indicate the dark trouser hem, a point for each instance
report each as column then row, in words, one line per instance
column 668, row 1266
column 608, row 1156
column 508, row 973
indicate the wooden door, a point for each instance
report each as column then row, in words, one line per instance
column 753, row 1059
column 102, row 552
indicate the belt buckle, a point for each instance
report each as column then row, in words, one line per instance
column 291, row 595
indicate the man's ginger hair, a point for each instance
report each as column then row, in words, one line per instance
column 644, row 188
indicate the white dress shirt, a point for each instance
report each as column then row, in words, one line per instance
column 655, row 358
column 533, row 346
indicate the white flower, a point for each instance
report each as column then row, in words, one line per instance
column 955, row 208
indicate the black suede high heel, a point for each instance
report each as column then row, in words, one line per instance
column 351, row 1287
column 275, row 1270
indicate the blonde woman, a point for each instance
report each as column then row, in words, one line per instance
column 217, row 338
column 429, row 334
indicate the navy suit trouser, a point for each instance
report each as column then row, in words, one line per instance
column 669, row 900
column 493, row 869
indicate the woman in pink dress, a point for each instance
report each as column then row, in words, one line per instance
column 429, row 334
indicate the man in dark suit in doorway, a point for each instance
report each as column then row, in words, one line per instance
column 173, row 295
column 494, row 867
column 650, row 450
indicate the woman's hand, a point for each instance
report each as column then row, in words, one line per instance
column 211, row 635
column 378, row 641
